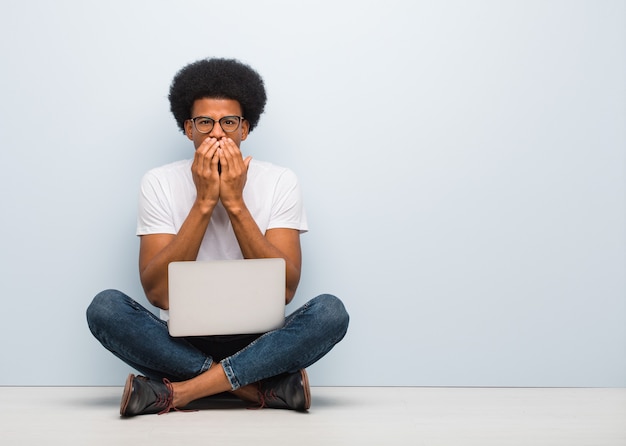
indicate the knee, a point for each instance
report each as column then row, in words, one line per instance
column 103, row 307
column 334, row 313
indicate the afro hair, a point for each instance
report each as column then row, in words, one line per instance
column 219, row 79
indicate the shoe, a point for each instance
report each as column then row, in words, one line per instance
column 286, row 391
column 142, row 396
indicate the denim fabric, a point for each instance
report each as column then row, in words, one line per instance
column 139, row 338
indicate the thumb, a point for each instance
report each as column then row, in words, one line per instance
column 247, row 161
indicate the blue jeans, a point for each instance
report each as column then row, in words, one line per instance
column 139, row 338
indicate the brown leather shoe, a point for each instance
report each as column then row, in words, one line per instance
column 286, row 391
column 143, row 396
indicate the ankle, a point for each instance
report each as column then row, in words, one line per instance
column 179, row 398
column 248, row 393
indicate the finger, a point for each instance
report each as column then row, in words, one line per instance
column 205, row 153
column 206, row 145
column 216, row 165
column 232, row 154
column 224, row 156
column 201, row 151
column 232, row 148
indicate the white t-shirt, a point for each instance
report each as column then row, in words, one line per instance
column 272, row 195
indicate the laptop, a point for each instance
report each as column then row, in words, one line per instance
column 226, row 297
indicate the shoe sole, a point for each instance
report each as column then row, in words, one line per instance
column 128, row 389
column 307, row 390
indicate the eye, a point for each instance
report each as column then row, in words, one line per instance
column 204, row 121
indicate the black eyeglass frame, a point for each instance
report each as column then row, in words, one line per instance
column 213, row 121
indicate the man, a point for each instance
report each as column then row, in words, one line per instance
column 220, row 205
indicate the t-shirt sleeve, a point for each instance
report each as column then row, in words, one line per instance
column 154, row 214
column 288, row 208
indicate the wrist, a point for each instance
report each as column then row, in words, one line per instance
column 205, row 207
column 235, row 209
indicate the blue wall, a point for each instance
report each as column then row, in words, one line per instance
column 463, row 165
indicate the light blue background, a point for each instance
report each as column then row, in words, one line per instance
column 463, row 166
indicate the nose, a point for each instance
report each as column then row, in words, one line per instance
column 217, row 132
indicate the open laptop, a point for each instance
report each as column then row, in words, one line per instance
column 226, row 297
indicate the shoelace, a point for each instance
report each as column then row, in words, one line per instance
column 166, row 402
column 264, row 397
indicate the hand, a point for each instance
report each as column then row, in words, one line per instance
column 205, row 174
column 234, row 173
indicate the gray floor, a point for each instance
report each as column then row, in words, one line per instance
column 338, row 416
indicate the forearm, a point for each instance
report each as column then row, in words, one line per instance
column 156, row 255
column 255, row 245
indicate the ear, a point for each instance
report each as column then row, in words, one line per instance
column 245, row 129
column 189, row 129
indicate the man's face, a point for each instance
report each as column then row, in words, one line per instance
column 216, row 109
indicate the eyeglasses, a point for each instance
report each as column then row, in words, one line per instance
column 204, row 124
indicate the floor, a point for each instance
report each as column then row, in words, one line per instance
column 338, row 416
